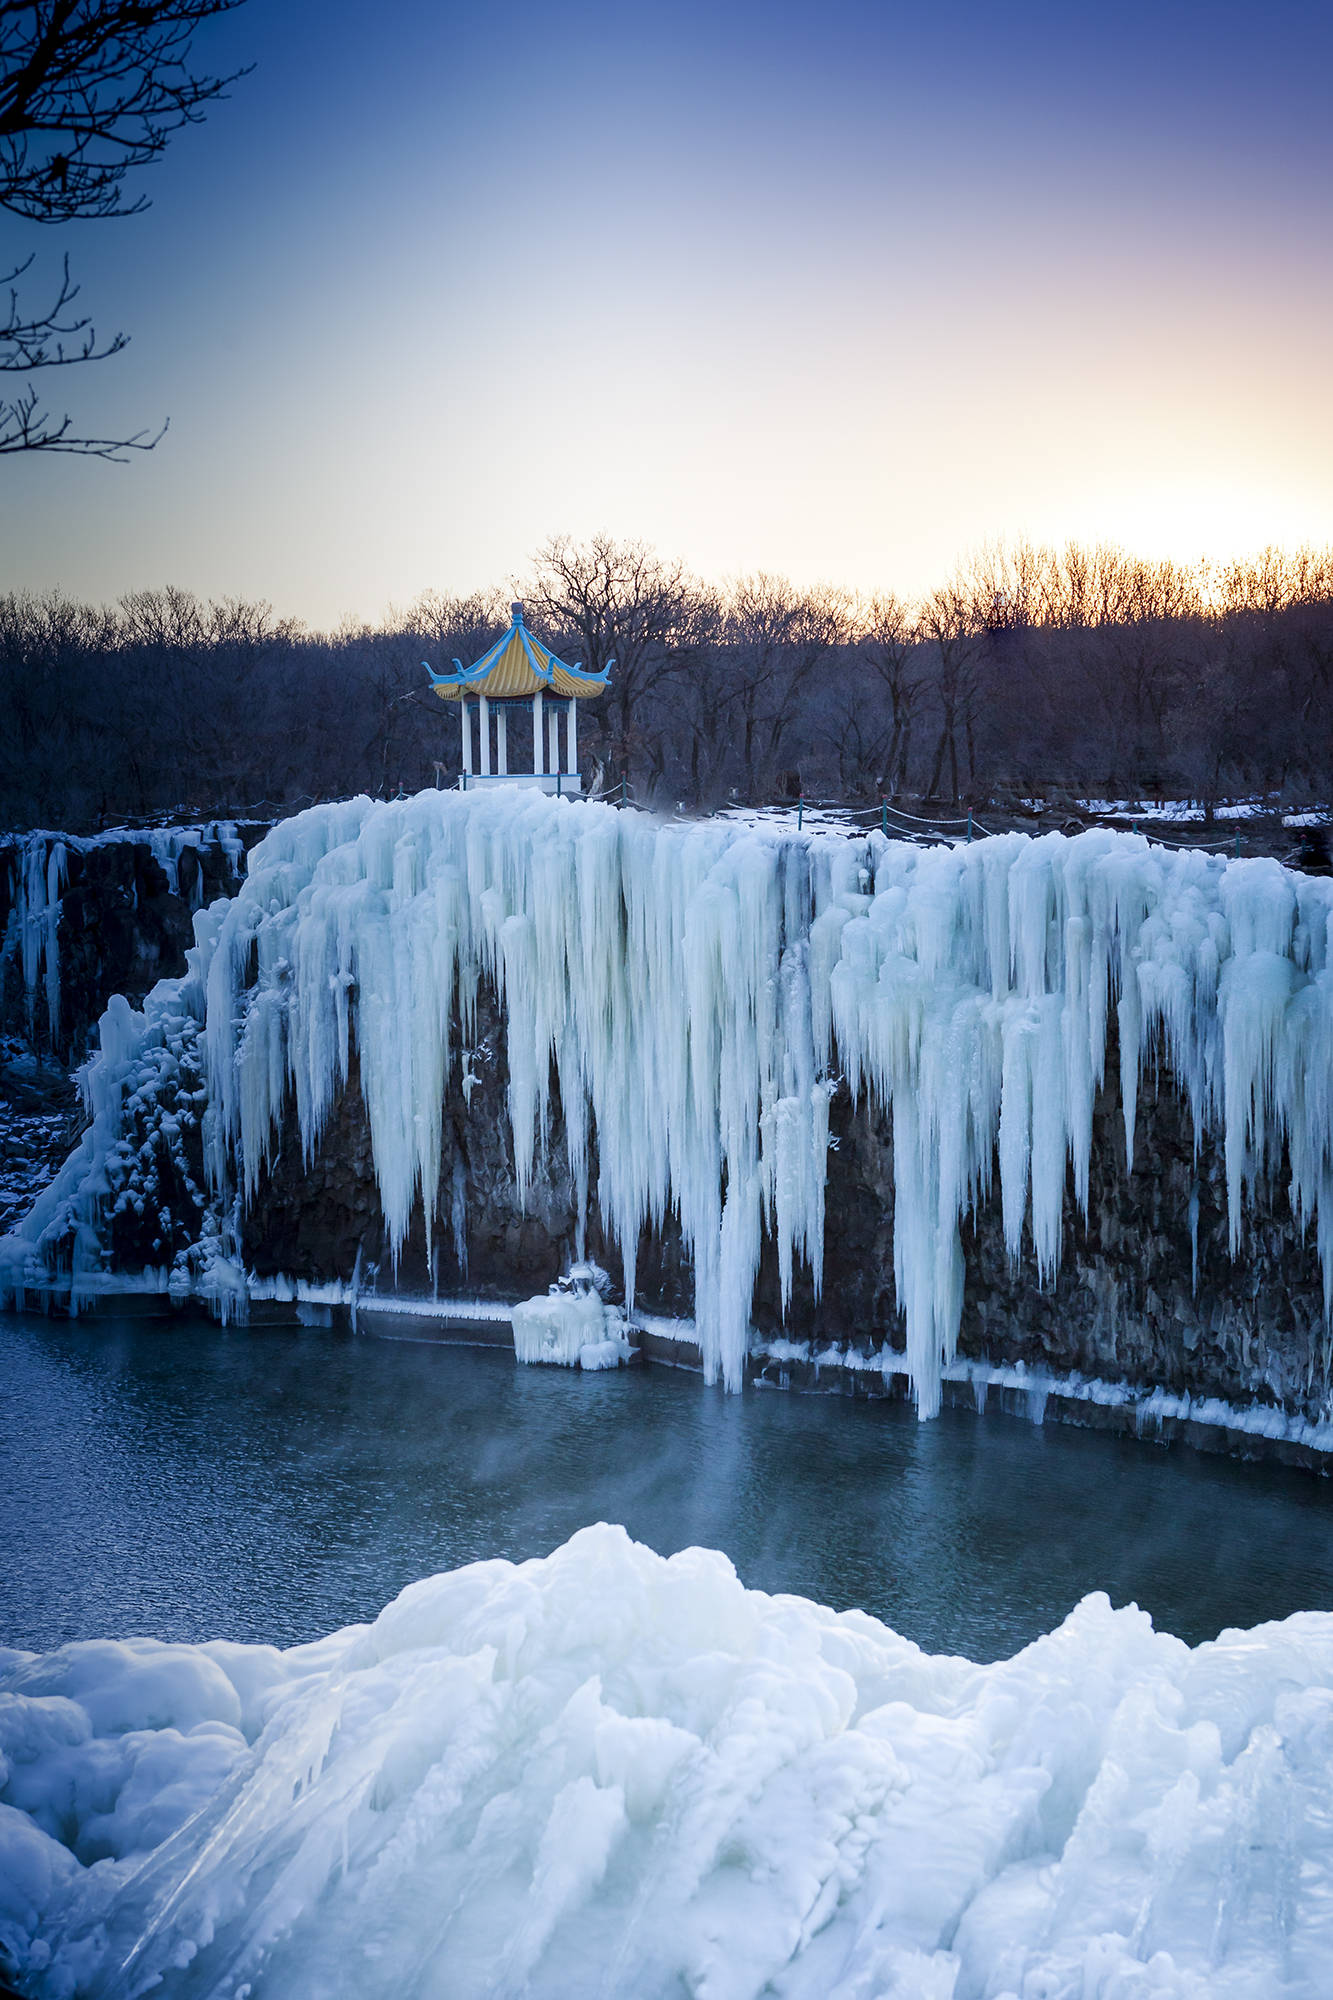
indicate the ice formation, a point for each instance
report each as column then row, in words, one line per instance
column 38, row 868
column 557, row 1328
column 693, row 990
column 608, row 1773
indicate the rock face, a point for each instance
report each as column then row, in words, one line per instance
column 323, row 1219
column 86, row 917
column 1139, row 1295
column 40, row 1121
column 1134, row 1297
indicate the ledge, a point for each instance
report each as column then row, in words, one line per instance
column 1255, row 1432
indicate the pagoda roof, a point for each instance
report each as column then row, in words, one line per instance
column 517, row 665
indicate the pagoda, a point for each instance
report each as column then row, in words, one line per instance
column 518, row 672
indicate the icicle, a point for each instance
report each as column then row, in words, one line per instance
column 692, row 988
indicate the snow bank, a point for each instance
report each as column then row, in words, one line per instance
column 695, row 988
column 607, row 1773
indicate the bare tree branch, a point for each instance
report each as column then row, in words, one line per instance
column 39, row 342
column 26, row 427
column 90, row 90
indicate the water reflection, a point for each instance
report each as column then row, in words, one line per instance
column 189, row 1482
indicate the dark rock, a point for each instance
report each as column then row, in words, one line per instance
column 121, row 928
column 1123, row 1305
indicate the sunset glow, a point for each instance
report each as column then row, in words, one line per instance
column 841, row 299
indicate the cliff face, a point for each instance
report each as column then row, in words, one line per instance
column 83, row 917
column 756, row 1051
column 323, row 1219
column 1142, row 1294
column 1129, row 1300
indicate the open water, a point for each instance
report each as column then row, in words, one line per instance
column 176, row 1479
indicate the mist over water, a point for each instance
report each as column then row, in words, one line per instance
column 187, row 1482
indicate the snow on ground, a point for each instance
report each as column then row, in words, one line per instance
column 1185, row 810
column 605, row 1773
column 784, row 819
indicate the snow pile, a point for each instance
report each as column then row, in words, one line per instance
column 694, row 989
column 572, row 1326
column 558, row 1327
column 612, row 1352
column 605, row 1772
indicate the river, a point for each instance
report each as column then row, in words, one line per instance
column 189, row 1482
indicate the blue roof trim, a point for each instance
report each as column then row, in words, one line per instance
column 469, row 676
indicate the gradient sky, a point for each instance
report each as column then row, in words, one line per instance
column 841, row 291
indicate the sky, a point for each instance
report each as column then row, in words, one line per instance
column 841, row 291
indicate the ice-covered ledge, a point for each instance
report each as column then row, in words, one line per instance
column 557, row 784
column 864, row 1369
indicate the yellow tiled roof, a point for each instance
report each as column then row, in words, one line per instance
column 517, row 665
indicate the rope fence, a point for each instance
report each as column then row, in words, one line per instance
column 889, row 819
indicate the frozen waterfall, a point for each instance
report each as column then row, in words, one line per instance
column 693, row 991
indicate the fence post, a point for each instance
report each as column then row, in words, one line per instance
column 969, row 826
column 622, row 791
column 1238, row 847
column 800, row 810
column 884, row 817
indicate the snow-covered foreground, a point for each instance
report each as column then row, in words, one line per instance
column 608, row 1773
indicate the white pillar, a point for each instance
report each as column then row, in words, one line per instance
column 502, row 740
column 467, row 737
column 572, row 739
column 538, row 744
column 554, row 764
column 485, row 712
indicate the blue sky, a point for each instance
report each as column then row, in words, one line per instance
column 840, row 291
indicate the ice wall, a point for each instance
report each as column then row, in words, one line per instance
column 661, row 974
column 974, row 992
column 39, row 866
column 693, row 990
column 606, row 1773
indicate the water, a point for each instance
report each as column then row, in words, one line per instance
column 176, row 1479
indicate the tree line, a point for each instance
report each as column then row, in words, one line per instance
column 1032, row 670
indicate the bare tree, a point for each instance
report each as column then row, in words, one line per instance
column 948, row 624
column 700, row 696
column 616, row 601
column 775, row 636
column 89, row 91
column 887, row 643
column 459, row 628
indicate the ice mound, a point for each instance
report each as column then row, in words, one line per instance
column 606, row 1773
column 612, row 1352
column 572, row 1326
column 556, row 1328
